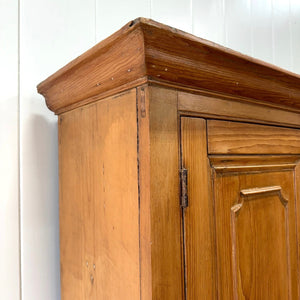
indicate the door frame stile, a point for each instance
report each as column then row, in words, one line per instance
column 183, row 209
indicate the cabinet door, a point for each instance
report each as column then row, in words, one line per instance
column 240, row 228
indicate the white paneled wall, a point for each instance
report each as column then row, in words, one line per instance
column 176, row 13
column 295, row 34
column 9, row 171
column 208, row 20
column 51, row 33
column 237, row 23
column 281, row 34
column 113, row 14
column 39, row 36
column 261, row 29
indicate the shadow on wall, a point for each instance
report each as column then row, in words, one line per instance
column 9, row 202
column 39, row 207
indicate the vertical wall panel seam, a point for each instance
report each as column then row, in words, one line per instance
column 192, row 16
column 272, row 32
column 19, row 149
column 291, row 38
column 251, row 29
column 225, row 39
column 95, row 20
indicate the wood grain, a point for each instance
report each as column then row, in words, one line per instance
column 264, row 190
column 123, row 234
column 220, row 107
column 241, row 138
column 116, row 62
column 143, row 101
column 99, row 223
column 256, row 236
column 164, row 54
column 252, row 163
column 297, row 192
column 167, row 272
column 199, row 225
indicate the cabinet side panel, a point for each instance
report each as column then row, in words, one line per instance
column 144, row 192
column 99, row 226
column 164, row 185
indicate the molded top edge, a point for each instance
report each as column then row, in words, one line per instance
column 144, row 48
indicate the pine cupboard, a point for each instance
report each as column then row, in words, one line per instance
column 178, row 169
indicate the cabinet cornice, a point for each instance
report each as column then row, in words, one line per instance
column 146, row 51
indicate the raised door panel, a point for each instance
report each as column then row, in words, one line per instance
column 256, row 235
column 260, row 239
column 240, row 228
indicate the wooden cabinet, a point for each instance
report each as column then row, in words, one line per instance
column 178, row 170
column 242, row 230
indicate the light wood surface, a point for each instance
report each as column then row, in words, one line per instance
column 167, row 271
column 95, row 72
column 251, row 213
column 228, row 119
column 256, row 236
column 297, row 191
column 145, row 49
column 118, row 225
column 241, row 138
column 143, row 119
column 99, row 226
column 231, row 108
column 198, row 217
column 253, row 163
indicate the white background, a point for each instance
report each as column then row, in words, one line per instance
column 39, row 36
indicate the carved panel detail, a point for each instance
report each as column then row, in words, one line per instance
column 251, row 243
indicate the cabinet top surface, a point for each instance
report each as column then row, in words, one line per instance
column 147, row 51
